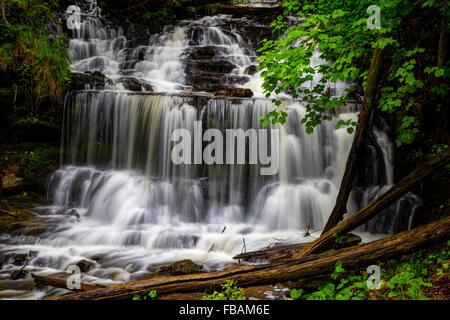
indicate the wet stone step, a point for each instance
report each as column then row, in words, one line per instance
column 205, row 52
column 210, row 65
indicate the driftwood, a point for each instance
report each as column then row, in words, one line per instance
column 58, row 283
column 282, row 253
column 291, row 270
column 393, row 194
column 365, row 122
column 10, row 213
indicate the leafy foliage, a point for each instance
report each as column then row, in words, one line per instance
column 31, row 158
column 404, row 279
column 339, row 239
column 151, row 296
column 338, row 32
column 230, row 291
column 340, row 288
column 39, row 65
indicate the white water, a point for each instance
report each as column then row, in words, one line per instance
column 130, row 209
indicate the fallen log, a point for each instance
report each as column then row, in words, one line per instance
column 182, row 296
column 10, row 213
column 365, row 123
column 291, row 270
column 286, row 252
column 365, row 214
column 58, row 283
column 256, row 292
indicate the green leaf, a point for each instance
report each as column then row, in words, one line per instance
column 296, row 293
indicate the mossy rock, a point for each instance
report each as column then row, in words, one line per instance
column 185, row 267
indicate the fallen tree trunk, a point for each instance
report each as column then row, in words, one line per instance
column 58, row 283
column 312, row 266
column 10, row 213
column 393, row 194
column 365, row 122
column 287, row 252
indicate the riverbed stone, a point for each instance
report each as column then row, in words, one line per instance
column 134, row 84
column 20, row 259
column 186, row 267
column 19, row 274
column 85, row 265
column 230, row 91
column 181, row 267
column 10, row 179
column 251, row 70
column 87, row 80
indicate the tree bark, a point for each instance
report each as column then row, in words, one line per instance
column 393, row 194
column 443, row 39
column 366, row 116
column 292, row 270
column 15, row 215
column 286, row 252
column 4, row 12
column 58, row 283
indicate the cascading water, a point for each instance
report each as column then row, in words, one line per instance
column 128, row 209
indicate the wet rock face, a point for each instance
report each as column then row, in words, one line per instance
column 206, row 52
column 30, row 228
column 134, row 84
column 212, row 65
column 85, row 265
column 251, row 70
column 98, row 81
column 87, row 80
column 19, row 274
column 19, row 259
column 225, row 90
column 10, row 179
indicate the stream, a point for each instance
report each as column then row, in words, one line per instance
column 124, row 208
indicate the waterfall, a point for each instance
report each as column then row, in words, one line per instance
column 128, row 209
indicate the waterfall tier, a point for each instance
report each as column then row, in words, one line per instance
column 127, row 208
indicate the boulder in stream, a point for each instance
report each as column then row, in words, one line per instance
column 85, row 265
column 11, row 181
column 19, row 274
column 134, row 84
column 181, row 267
column 87, row 80
column 185, row 267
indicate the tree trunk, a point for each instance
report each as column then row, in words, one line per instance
column 366, row 116
column 15, row 215
column 4, row 12
column 443, row 39
column 292, row 270
column 393, row 194
column 58, row 283
column 286, row 252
